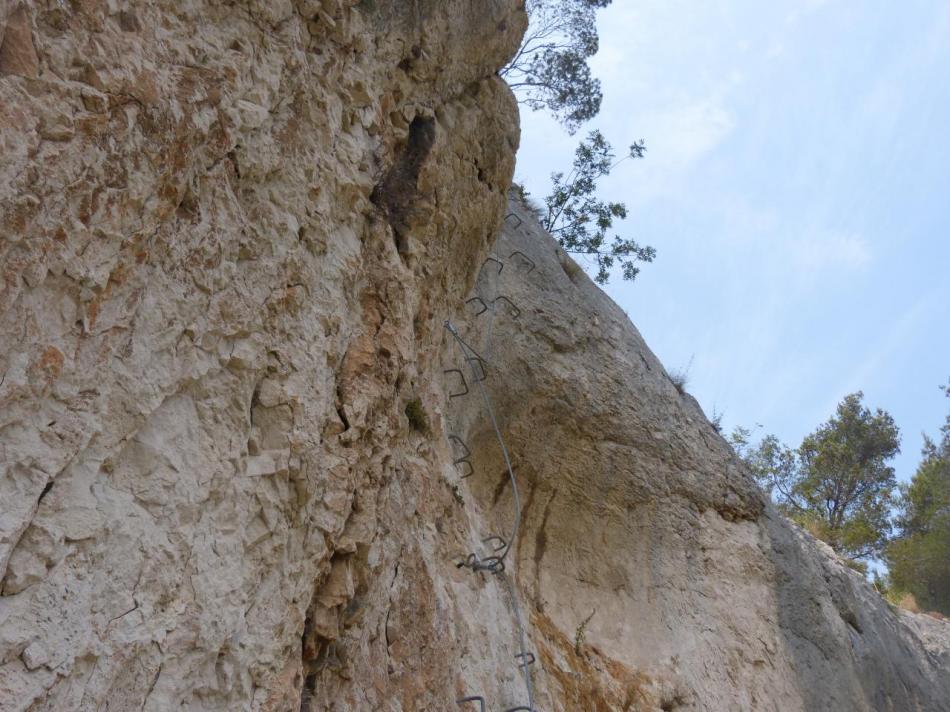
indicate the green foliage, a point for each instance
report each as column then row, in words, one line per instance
column 520, row 191
column 919, row 557
column 580, row 221
column 837, row 483
column 530, row 203
column 580, row 633
column 860, row 566
column 550, row 70
column 418, row 420
column 680, row 379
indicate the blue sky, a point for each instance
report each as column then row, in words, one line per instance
column 797, row 190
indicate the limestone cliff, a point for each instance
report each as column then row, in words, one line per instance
column 230, row 234
column 636, row 510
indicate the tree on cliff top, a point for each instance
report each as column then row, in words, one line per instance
column 550, row 70
column 837, row 483
column 580, row 221
column 919, row 557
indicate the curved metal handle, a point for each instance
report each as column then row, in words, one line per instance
column 526, row 658
column 464, row 383
column 527, row 259
column 481, row 302
column 502, row 297
column 501, row 265
column 512, row 215
column 464, row 459
column 481, row 373
column 474, row 698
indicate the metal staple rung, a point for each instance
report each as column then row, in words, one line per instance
column 471, row 360
column 464, row 460
column 501, row 265
column 493, row 564
column 474, row 698
column 496, row 564
column 461, row 443
column 464, row 382
column 524, row 257
column 516, row 217
column 481, row 302
column 502, row 297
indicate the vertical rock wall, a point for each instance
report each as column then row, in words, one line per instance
column 654, row 573
column 228, row 233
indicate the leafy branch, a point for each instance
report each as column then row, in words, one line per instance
column 580, row 221
column 550, row 69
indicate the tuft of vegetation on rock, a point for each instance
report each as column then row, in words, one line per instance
column 416, row 414
column 580, row 633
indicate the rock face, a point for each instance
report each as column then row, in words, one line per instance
column 230, row 234
column 655, row 575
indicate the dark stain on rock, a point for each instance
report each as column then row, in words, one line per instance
column 397, row 192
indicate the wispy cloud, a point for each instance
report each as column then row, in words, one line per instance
column 830, row 250
column 687, row 133
column 899, row 335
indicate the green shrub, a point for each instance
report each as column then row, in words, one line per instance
column 418, row 420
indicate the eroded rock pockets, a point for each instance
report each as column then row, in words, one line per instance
column 396, row 193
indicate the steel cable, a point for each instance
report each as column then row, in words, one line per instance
column 470, row 356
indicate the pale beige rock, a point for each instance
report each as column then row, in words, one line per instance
column 229, row 237
column 17, row 53
column 212, row 331
column 636, row 511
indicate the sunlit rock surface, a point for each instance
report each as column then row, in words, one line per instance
column 230, row 234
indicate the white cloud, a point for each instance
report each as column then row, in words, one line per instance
column 824, row 250
column 685, row 134
column 805, row 8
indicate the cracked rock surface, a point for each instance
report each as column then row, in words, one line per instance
column 230, row 233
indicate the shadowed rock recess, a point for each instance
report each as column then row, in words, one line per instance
column 230, row 234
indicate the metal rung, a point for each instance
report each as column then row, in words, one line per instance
column 479, row 301
column 464, row 382
column 501, row 265
column 481, row 365
column 474, row 698
column 512, row 215
column 502, row 297
column 525, row 258
column 526, row 658
column 464, row 460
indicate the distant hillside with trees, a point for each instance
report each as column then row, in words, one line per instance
column 838, row 484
